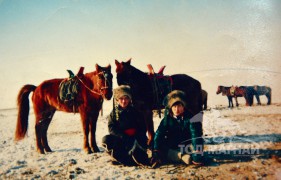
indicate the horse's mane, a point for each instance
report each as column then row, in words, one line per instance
column 138, row 74
column 142, row 87
column 92, row 73
column 140, row 77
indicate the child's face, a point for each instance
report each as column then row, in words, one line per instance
column 124, row 101
column 177, row 109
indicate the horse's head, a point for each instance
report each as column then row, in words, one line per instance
column 104, row 81
column 219, row 89
column 124, row 72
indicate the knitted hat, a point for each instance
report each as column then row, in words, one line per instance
column 122, row 90
column 173, row 97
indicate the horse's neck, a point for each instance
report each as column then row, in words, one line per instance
column 91, row 80
column 226, row 90
column 140, row 77
column 141, row 84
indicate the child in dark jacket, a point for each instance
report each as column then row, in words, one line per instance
column 127, row 140
column 179, row 135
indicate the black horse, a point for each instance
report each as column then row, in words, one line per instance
column 146, row 96
column 204, row 99
column 257, row 91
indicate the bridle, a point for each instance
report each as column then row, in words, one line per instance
column 99, row 92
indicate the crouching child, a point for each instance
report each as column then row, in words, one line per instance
column 178, row 138
column 127, row 140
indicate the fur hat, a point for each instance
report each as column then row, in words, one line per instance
column 173, row 97
column 122, row 90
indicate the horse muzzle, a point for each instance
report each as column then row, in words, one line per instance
column 107, row 93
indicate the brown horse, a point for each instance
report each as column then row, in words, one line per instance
column 93, row 87
column 229, row 93
column 241, row 92
column 146, row 96
column 232, row 92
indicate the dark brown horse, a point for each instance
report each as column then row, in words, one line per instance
column 227, row 91
column 204, row 99
column 144, row 93
column 263, row 90
column 241, row 92
column 257, row 91
column 232, row 92
column 93, row 88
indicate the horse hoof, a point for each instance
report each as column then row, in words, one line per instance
column 96, row 150
column 88, row 151
column 41, row 151
column 48, row 150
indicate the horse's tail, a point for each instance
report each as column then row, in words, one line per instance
column 23, row 111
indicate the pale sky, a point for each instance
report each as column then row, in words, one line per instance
column 217, row 42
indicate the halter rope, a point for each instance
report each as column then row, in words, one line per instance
column 93, row 91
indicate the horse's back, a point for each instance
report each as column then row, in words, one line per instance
column 185, row 81
column 48, row 90
column 204, row 95
column 262, row 90
column 48, row 85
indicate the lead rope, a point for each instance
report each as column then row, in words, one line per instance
column 105, row 86
column 101, row 110
column 115, row 110
column 88, row 87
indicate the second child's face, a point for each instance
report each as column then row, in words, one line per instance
column 177, row 109
column 124, row 101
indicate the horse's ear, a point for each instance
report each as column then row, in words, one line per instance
column 129, row 61
column 109, row 66
column 117, row 62
column 97, row 67
column 81, row 71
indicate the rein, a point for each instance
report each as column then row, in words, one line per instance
column 93, row 91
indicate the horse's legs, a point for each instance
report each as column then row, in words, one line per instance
column 230, row 103
column 251, row 100
column 85, row 124
column 236, row 101
column 205, row 104
column 258, row 99
column 93, row 126
column 247, row 100
column 45, row 124
column 268, row 95
column 38, row 133
column 43, row 119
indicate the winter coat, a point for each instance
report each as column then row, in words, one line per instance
column 127, row 124
column 171, row 133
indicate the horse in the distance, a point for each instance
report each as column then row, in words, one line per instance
column 233, row 92
column 229, row 92
column 204, row 99
column 93, row 88
column 257, row 91
column 144, row 93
